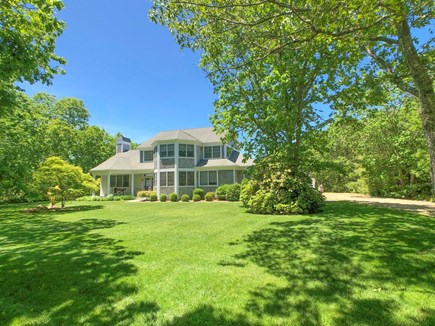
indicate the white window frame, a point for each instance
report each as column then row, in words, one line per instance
column 164, row 176
column 212, row 152
column 208, row 178
column 186, row 151
column 122, row 177
column 186, row 178
column 143, row 156
column 166, row 151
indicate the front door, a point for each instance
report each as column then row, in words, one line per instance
column 148, row 183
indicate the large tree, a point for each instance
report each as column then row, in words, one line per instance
column 28, row 32
column 375, row 42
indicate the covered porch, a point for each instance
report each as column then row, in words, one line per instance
column 124, row 182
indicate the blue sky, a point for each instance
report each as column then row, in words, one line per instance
column 130, row 72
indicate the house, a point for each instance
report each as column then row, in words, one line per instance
column 172, row 161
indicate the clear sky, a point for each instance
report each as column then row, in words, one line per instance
column 130, row 72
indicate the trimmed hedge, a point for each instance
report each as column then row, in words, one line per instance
column 198, row 191
column 163, row 197
column 145, row 193
column 221, row 192
column 185, row 198
column 173, row 197
column 209, row 196
column 233, row 192
column 196, row 197
column 153, row 197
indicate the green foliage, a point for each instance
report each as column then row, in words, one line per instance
column 185, row 198
column 62, row 180
column 39, row 127
column 209, row 196
column 221, row 192
column 145, row 193
column 127, row 197
column 382, row 153
column 28, row 32
column 153, row 197
column 163, row 197
column 110, row 197
column 277, row 190
column 199, row 191
column 233, row 192
column 196, row 197
column 174, row 197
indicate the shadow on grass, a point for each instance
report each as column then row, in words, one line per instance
column 58, row 210
column 359, row 261
column 207, row 315
column 65, row 273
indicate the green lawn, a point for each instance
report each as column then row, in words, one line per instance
column 213, row 264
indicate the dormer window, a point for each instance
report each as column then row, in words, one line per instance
column 167, row 150
column 147, row 156
column 186, row 150
column 212, row 152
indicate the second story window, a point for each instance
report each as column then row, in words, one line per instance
column 186, row 150
column 167, row 150
column 212, row 152
column 147, row 156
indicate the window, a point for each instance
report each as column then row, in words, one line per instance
column 119, row 181
column 147, row 156
column 167, row 150
column 229, row 151
column 166, row 179
column 187, row 178
column 208, row 178
column 212, row 152
column 186, row 150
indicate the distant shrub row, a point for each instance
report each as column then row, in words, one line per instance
column 110, row 197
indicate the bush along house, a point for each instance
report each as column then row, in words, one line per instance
column 172, row 161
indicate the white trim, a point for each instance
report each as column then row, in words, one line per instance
column 132, row 184
column 234, row 176
column 108, row 184
column 176, row 181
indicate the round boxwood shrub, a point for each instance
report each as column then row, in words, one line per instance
column 185, row 197
column 233, row 192
column 196, row 197
column 153, row 197
column 198, row 191
column 209, row 196
column 221, row 192
column 174, row 197
column 163, row 197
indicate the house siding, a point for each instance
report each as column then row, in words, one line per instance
column 186, row 190
column 225, row 177
column 186, row 163
column 167, row 190
column 167, row 163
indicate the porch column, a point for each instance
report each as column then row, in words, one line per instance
column 234, row 176
column 176, row 173
column 108, row 184
column 132, row 184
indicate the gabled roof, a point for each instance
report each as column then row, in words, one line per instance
column 198, row 135
column 127, row 161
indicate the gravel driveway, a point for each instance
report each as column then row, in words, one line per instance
column 419, row 206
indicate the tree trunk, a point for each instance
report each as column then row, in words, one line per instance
column 426, row 94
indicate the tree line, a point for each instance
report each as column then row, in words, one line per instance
column 43, row 126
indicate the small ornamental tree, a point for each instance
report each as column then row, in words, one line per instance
column 61, row 181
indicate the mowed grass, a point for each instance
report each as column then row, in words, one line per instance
column 122, row 263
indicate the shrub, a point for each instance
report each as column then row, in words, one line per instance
column 153, row 197
column 145, row 193
column 233, row 192
column 198, row 191
column 127, row 197
column 116, row 198
column 185, row 197
column 163, row 197
column 110, row 197
column 174, row 197
column 196, row 197
column 209, row 196
column 221, row 192
column 281, row 192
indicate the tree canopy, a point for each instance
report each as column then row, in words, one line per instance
column 28, row 32
column 372, row 48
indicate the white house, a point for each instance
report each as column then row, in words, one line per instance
column 172, row 161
